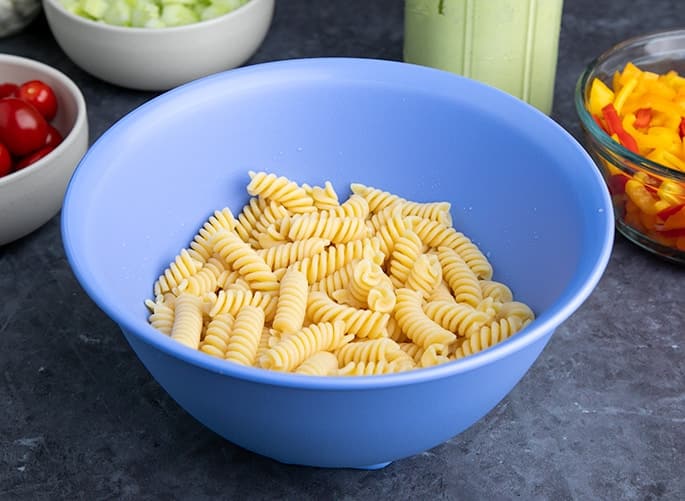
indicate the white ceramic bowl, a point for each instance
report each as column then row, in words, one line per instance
column 32, row 196
column 160, row 58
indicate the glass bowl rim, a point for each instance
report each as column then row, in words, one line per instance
column 596, row 132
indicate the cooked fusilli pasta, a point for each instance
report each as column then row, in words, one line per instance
column 187, row 326
column 296, row 347
column 360, row 322
column 215, row 340
column 245, row 336
column 321, row 363
column 292, row 302
column 281, row 190
column 302, row 281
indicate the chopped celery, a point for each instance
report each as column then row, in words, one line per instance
column 151, row 13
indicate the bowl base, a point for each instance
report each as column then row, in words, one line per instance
column 646, row 243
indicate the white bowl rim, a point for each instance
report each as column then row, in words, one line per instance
column 545, row 324
column 146, row 31
column 79, row 123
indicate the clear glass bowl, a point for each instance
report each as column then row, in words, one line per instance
column 659, row 53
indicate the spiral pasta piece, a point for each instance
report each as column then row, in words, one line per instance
column 460, row 277
column 205, row 280
column 373, row 350
column 319, row 266
column 435, row 354
column 187, row 326
column 381, row 297
column 365, row 276
column 256, row 216
column 231, row 301
column 296, row 347
column 487, row 335
column 338, row 230
column 321, row 363
column 426, row 274
column 391, row 232
column 377, row 199
column 496, row 290
column 437, row 235
column 455, row 317
column 161, row 316
column 244, row 259
column 182, row 267
column 325, row 198
column 516, row 309
column 283, row 255
column 280, row 189
column 360, row 322
column 273, row 236
column 354, row 206
column 215, row 340
column 201, row 247
column 406, row 251
column 338, row 280
column 416, row 324
column 292, row 302
column 441, row 293
column 395, row 332
column 244, row 339
column 435, row 211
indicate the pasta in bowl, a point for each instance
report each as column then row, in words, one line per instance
column 381, row 283
column 380, row 236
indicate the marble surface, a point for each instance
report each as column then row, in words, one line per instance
column 601, row 415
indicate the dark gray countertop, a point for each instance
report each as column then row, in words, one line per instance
column 601, row 415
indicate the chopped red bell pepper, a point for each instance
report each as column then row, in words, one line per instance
column 617, row 184
column 669, row 211
column 601, row 124
column 643, row 117
column 616, row 127
column 681, row 127
column 675, row 221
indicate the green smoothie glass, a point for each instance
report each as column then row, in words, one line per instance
column 509, row 44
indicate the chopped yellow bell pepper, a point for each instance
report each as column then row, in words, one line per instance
column 645, row 112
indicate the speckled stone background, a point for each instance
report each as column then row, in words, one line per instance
column 601, row 415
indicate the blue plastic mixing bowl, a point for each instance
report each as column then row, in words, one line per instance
column 521, row 187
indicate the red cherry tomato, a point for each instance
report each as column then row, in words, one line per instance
column 22, row 128
column 33, row 157
column 41, row 96
column 8, row 89
column 54, row 137
column 5, row 160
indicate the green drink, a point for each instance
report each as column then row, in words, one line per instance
column 509, row 44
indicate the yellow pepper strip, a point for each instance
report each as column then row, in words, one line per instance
column 600, row 96
column 641, row 196
column 624, row 93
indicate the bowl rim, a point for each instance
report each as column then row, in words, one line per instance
column 170, row 29
column 572, row 297
column 80, row 120
column 596, row 132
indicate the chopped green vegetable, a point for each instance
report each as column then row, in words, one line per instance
column 151, row 13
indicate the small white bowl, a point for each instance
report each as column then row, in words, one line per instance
column 160, row 58
column 31, row 196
